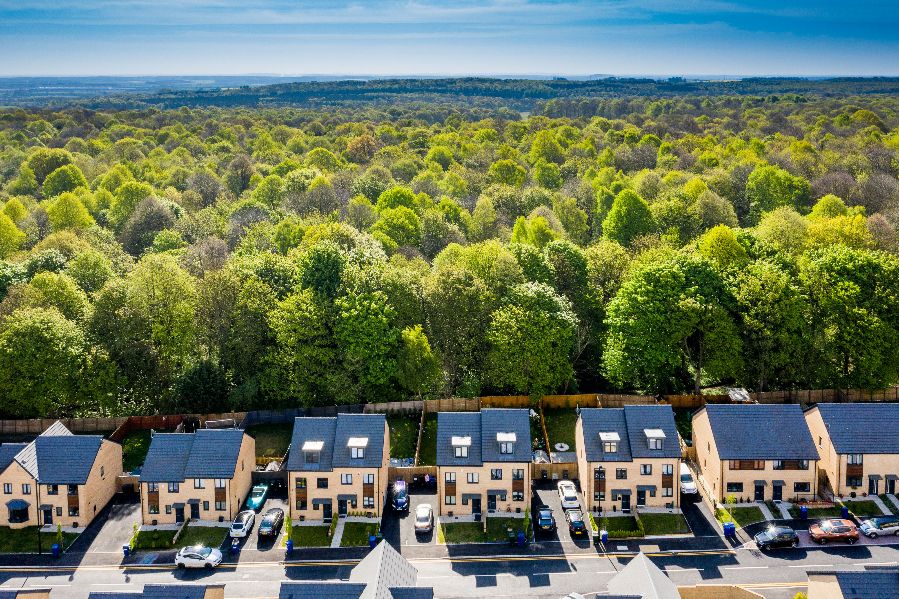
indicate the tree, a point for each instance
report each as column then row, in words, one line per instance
column 547, row 174
column 52, row 290
column 15, row 210
column 319, row 197
column 67, row 212
column 46, row 160
column 417, row 366
column 11, row 237
column 90, row 270
column 367, row 341
column 770, row 187
column 127, row 198
column 507, row 172
column 361, row 149
column 573, row 219
column 399, row 225
column 720, row 246
column 629, row 218
column 321, row 268
column 530, row 339
column 396, row 197
column 65, row 178
column 149, row 218
column 546, row 147
column 784, row 230
column 269, row 191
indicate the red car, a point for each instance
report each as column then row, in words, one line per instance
column 833, row 530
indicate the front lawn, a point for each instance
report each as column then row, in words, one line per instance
column 473, row 532
column 311, row 536
column 25, row 540
column 864, row 509
column 403, row 434
column 618, row 526
column 818, row 512
column 427, row 453
column 272, row 440
column 206, row 536
column 497, row 528
column 741, row 515
column 664, row 524
column 560, row 423
column 355, row 534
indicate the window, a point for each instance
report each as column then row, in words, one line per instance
column 802, row 487
column 667, row 469
column 153, row 508
column 311, row 457
column 473, row 478
column 368, row 502
column 518, row 474
column 449, row 477
column 220, row 506
column 667, row 492
column 501, row 497
column 346, row 479
column 153, row 487
column 26, row 489
column 734, row 487
column 59, row 510
column 220, row 483
column 746, row 464
column 7, row 488
column 357, row 453
column 496, row 474
column 301, row 483
column 853, row 481
column 450, row 500
column 599, row 496
column 505, row 447
column 461, row 451
column 72, row 489
column 645, row 469
column 205, row 506
column 52, row 489
column 621, row 473
column 302, row 504
column 655, row 444
column 199, row 484
column 517, row 496
column 102, row 471
column 368, row 479
column 173, row 487
column 778, row 465
column 610, row 447
column 321, row 483
column 599, row 474
column 854, row 459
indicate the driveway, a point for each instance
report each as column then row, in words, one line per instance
column 398, row 528
column 546, row 493
column 116, row 525
column 267, row 544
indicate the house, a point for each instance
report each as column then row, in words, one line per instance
column 59, row 478
column 382, row 574
column 166, row 591
column 858, row 444
column 204, row 475
column 871, row 583
column 642, row 579
column 483, row 460
column 755, row 452
column 628, row 456
column 21, row 593
column 338, row 463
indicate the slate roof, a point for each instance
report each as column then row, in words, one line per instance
column 761, row 432
column 483, row 427
column 643, row 578
column 629, row 423
column 335, row 433
column 866, row 584
column 156, row 591
column 55, row 457
column 861, row 427
column 207, row 453
column 8, row 452
column 332, row 590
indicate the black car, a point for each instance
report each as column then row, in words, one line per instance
column 400, row 496
column 543, row 519
column 776, row 536
column 576, row 525
column 271, row 523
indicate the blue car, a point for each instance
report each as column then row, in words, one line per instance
column 400, row 496
column 257, row 497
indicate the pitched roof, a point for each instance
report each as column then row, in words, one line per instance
column 156, row 591
column 207, row 453
column 8, row 452
column 484, row 428
column 25, row 592
column 56, row 456
column 633, row 425
column 761, row 432
column 334, row 434
column 861, row 427
column 866, row 584
column 336, row 589
column 645, row 579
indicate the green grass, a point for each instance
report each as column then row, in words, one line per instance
column 134, row 450
column 560, row 426
column 355, row 534
column 154, row 539
column 775, row 511
column 683, row 419
column 272, row 440
column 664, row 524
column 473, row 532
column 817, row 512
column 498, row 528
column 427, row 453
column 403, row 434
column 24, row 540
column 208, row 536
column 741, row 515
column 537, row 439
column 617, row 523
column 310, row 536
column 865, row 509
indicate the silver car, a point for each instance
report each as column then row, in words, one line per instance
column 424, row 518
column 198, row 557
column 880, row 526
column 243, row 524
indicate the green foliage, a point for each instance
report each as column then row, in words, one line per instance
column 628, row 218
column 770, row 187
column 11, row 237
column 67, row 212
column 65, row 178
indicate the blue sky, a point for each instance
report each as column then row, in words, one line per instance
column 395, row 37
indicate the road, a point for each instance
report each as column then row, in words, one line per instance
column 522, row 576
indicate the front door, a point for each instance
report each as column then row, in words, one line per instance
column 641, row 497
column 48, row 515
column 778, row 492
column 476, row 505
column 195, row 511
column 873, row 483
column 179, row 514
column 760, row 492
column 341, row 507
column 326, row 511
column 625, row 503
column 491, row 503
column 891, row 486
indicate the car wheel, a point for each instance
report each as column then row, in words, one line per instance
column 852, row 541
column 823, row 541
column 873, row 535
column 207, row 566
column 795, row 543
column 180, row 565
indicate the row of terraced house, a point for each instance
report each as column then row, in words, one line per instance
column 625, row 457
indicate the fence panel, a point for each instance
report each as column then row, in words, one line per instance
column 407, row 473
column 393, row 407
column 583, row 400
column 608, row 400
column 556, row 471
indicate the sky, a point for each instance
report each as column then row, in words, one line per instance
column 443, row 37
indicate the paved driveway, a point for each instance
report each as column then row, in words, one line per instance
column 116, row 525
column 398, row 527
column 546, row 493
column 266, row 544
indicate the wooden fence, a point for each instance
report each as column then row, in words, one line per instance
column 452, row 404
column 557, row 471
column 36, row 426
column 393, row 407
column 618, row 401
column 407, row 473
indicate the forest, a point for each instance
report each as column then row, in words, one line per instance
column 199, row 259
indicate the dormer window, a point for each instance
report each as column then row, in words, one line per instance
column 609, row 441
column 312, row 451
column 654, row 437
column 357, row 447
column 506, row 442
column 460, row 446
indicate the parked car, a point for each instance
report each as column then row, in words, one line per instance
column 198, row 557
column 776, row 536
column 271, row 523
column 574, row 596
column 243, row 524
column 400, row 496
column 424, row 518
column 544, row 520
column 687, row 483
column 568, row 495
column 833, row 530
column 576, row 525
column 257, row 497
column 880, row 526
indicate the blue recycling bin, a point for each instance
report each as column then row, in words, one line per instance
column 730, row 529
column 844, row 512
column 522, row 540
column 126, row 550
column 604, row 536
column 372, row 541
column 289, row 546
column 803, row 512
column 55, row 549
column 235, row 545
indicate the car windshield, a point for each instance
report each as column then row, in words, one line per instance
column 575, row 516
column 201, row 551
column 257, row 492
column 400, row 493
column 686, row 478
column 546, row 515
column 826, row 526
column 423, row 517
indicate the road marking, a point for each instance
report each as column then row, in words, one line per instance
column 671, row 570
column 814, row 566
column 745, row 567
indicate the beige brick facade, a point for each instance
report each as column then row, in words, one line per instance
column 474, row 484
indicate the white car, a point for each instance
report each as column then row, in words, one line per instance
column 574, row 596
column 568, row 495
column 243, row 523
column 424, row 518
column 198, row 557
column 687, row 483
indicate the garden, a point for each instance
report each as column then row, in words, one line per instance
column 403, row 434
column 26, row 540
column 206, row 536
column 560, row 424
column 272, row 440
